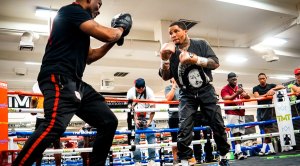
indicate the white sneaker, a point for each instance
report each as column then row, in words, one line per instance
column 261, row 153
column 240, row 156
column 184, row 162
column 151, row 163
column 137, row 164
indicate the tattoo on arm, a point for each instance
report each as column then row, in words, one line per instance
column 165, row 74
column 211, row 64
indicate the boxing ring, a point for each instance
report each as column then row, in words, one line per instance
column 122, row 154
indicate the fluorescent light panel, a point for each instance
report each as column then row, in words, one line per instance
column 236, row 59
column 33, row 63
column 45, row 12
column 272, row 41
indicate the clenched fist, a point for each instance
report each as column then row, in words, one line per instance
column 187, row 57
column 167, row 50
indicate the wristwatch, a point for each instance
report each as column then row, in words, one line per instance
column 191, row 55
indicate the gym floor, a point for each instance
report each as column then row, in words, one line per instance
column 291, row 158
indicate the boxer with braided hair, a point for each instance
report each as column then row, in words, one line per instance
column 190, row 63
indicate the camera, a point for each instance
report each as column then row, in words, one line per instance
column 240, row 86
column 142, row 122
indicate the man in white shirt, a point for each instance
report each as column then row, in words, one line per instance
column 143, row 120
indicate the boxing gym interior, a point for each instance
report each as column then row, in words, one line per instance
column 248, row 37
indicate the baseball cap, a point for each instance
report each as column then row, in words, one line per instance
column 297, row 71
column 231, row 74
column 139, row 83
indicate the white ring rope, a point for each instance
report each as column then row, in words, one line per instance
column 34, row 110
column 128, row 147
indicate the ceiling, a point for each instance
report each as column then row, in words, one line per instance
column 231, row 29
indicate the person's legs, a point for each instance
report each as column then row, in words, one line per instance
column 137, row 152
column 59, row 108
column 57, row 157
column 197, row 136
column 216, row 123
column 187, row 109
column 174, row 123
column 208, row 149
column 94, row 111
column 38, row 122
column 151, row 140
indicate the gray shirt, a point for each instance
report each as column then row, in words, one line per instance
column 176, row 97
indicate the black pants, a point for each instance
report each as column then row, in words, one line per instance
column 56, row 145
column 173, row 123
column 65, row 97
column 200, row 121
column 189, row 103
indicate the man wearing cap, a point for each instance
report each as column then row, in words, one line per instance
column 143, row 120
column 296, row 86
column 263, row 114
column 233, row 92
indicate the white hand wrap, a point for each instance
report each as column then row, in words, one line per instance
column 201, row 61
column 164, row 62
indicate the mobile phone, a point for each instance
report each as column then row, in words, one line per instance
column 240, row 85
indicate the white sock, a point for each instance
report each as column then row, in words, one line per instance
column 223, row 157
column 263, row 149
column 271, row 147
column 237, row 148
column 184, row 162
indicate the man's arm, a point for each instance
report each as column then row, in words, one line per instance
column 191, row 58
column 151, row 116
column 166, row 52
column 98, row 53
column 151, row 96
column 226, row 96
column 296, row 89
column 271, row 92
column 102, row 33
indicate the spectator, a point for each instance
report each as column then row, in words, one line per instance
column 143, row 120
column 232, row 92
column 263, row 114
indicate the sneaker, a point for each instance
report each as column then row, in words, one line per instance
column 224, row 162
column 271, row 153
column 175, row 163
column 240, row 156
column 192, row 161
column 137, row 164
column 151, row 163
column 184, row 162
column 261, row 153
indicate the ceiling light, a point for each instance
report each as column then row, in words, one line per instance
column 33, row 63
column 283, row 77
column 249, row 3
column 272, row 41
column 45, row 12
column 236, row 59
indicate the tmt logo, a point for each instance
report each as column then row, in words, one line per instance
column 19, row 101
column 285, row 117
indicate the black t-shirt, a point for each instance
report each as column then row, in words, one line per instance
column 263, row 90
column 191, row 76
column 68, row 46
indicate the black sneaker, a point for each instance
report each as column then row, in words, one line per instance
column 224, row 162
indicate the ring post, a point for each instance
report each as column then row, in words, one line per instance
column 284, row 118
column 3, row 124
column 3, row 117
